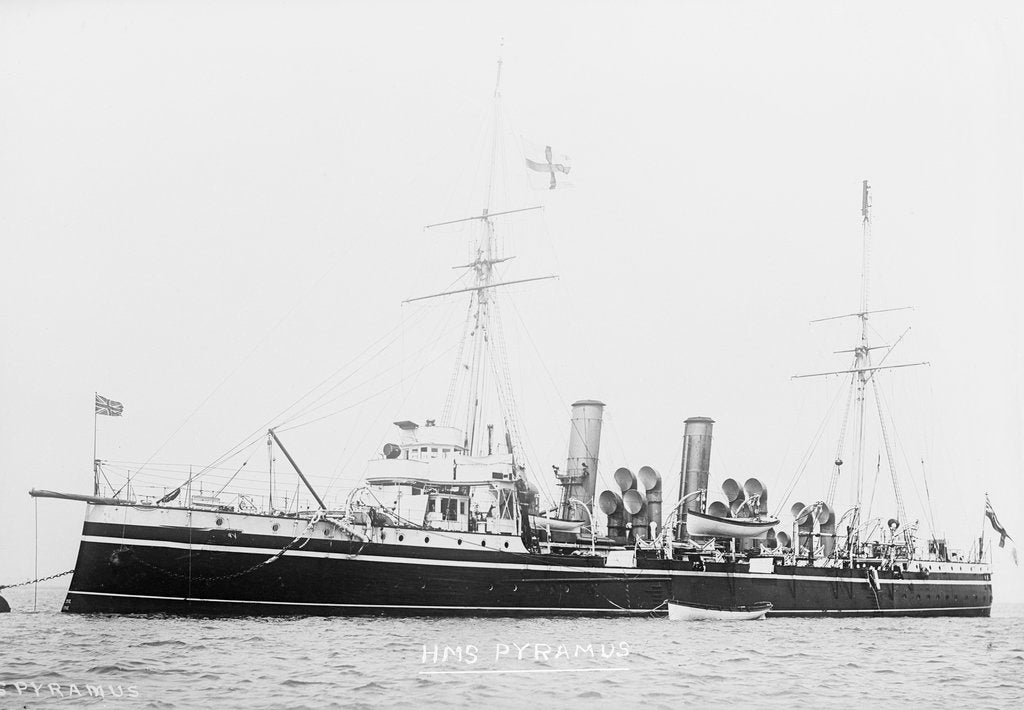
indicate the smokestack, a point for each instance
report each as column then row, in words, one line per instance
column 581, row 464
column 693, row 473
column 651, row 481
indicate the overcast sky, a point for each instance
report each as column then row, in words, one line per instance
column 220, row 204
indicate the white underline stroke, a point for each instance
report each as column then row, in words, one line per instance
column 525, row 670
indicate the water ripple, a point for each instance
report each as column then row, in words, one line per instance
column 172, row 662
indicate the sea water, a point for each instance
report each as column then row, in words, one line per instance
column 49, row 659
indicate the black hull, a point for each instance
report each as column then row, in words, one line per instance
column 145, row 570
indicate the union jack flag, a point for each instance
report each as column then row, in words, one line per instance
column 991, row 515
column 108, row 407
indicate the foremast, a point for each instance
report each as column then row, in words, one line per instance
column 483, row 354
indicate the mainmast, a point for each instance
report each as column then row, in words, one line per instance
column 862, row 375
column 862, row 354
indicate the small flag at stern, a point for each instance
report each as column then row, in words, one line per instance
column 108, row 407
column 996, row 525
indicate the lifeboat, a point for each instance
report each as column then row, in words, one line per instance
column 713, row 526
column 541, row 522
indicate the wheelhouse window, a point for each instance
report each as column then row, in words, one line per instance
column 450, row 507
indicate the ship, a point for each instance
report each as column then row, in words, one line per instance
column 449, row 519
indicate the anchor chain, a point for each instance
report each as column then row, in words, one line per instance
column 33, row 581
column 220, row 577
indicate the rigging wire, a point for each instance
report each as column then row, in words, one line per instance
column 806, row 458
column 283, row 425
column 228, row 482
column 310, row 406
column 547, row 371
column 257, row 434
column 926, row 508
column 342, row 466
column 874, row 484
column 257, row 346
column 368, row 398
column 613, row 426
column 901, row 512
column 503, row 374
column 834, row 479
column 447, row 413
column 343, row 462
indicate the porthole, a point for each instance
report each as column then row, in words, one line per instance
column 401, row 538
column 483, row 543
column 327, row 532
column 460, row 540
column 220, row 521
column 275, row 527
column 383, row 536
column 426, row 538
column 515, row 587
column 506, row 545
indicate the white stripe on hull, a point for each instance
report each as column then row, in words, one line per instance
column 377, row 606
column 597, row 571
column 902, row 610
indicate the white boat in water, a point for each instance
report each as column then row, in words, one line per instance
column 712, row 526
column 691, row 611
